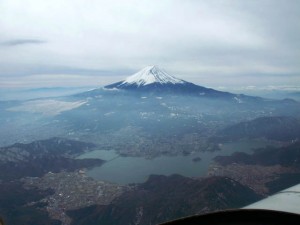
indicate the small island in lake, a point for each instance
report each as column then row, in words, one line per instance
column 197, row 159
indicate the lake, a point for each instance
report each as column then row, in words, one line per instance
column 124, row 170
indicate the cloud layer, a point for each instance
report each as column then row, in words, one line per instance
column 208, row 42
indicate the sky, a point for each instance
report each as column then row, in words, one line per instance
column 214, row 43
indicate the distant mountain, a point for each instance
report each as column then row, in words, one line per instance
column 281, row 128
column 147, row 76
column 54, row 146
column 288, row 156
column 40, row 157
column 152, row 78
column 295, row 95
column 164, row 198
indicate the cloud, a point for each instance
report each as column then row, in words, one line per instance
column 46, row 107
column 16, row 42
column 57, row 80
column 194, row 39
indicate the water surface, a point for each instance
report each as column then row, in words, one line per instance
column 124, row 170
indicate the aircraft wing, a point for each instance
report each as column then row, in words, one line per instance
column 287, row 200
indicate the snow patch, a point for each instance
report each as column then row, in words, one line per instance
column 173, row 115
column 238, row 100
column 111, row 89
column 109, row 113
column 149, row 75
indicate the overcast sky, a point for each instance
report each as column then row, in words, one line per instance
column 93, row 42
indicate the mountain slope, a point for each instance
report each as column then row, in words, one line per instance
column 288, row 156
column 19, row 205
column 40, row 157
column 279, row 128
column 164, row 198
column 152, row 78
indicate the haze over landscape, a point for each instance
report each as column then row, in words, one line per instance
column 141, row 112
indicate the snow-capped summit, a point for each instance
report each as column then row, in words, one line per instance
column 150, row 75
column 154, row 80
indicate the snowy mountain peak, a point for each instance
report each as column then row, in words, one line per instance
column 152, row 80
column 149, row 75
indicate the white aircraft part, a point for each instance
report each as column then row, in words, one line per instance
column 287, row 200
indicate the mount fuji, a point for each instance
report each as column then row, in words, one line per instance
column 148, row 76
column 154, row 79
